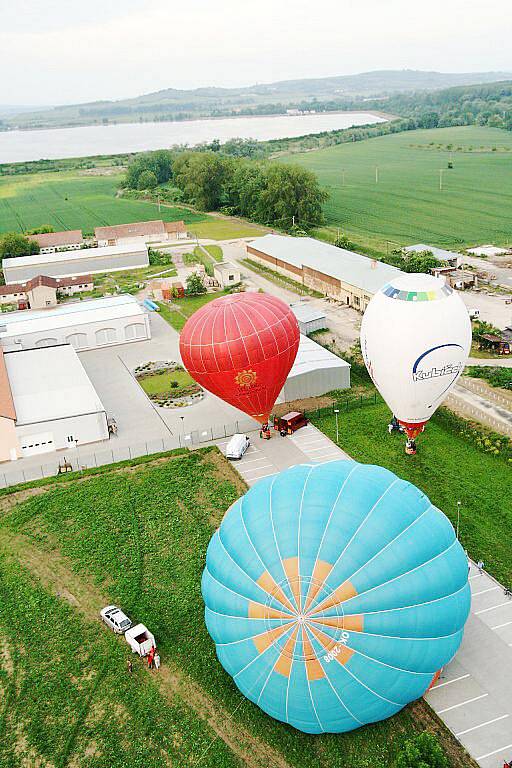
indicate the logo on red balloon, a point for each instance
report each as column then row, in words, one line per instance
column 246, row 379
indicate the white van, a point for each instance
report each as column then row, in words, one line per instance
column 474, row 313
column 237, row 446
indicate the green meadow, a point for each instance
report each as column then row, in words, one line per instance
column 386, row 191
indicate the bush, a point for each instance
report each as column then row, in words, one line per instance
column 195, row 285
column 422, row 751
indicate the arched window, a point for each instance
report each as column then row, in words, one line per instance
column 46, row 342
column 135, row 331
column 106, row 336
column 78, row 340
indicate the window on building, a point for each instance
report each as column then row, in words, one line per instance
column 77, row 340
column 135, row 331
column 106, row 336
column 70, row 439
column 356, row 301
column 231, row 277
column 48, row 342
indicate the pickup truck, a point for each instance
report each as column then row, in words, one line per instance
column 140, row 639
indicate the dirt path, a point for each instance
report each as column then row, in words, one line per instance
column 56, row 575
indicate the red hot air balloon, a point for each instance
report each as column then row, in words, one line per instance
column 241, row 348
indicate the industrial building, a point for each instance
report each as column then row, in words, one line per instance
column 309, row 318
column 83, row 324
column 343, row 275
column 42, row 292
column 314, row 372
column 452, row 258
column 226, row 274
column 50, row 242
column 55, row 409
column 86, row 261
column 141, row 232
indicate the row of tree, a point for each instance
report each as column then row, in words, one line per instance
column 277, row 194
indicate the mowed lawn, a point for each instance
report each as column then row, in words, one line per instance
column 78, row 200
column 406, row 205
column 138, row 537
column 448, row 468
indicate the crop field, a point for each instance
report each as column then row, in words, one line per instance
column 137, row 536
column 406, row 205
column 83, row 200
column 448, row 468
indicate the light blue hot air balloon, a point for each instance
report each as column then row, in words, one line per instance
column 334, row 594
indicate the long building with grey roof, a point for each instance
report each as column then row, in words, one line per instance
column 343, row 275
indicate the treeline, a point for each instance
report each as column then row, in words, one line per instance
column 489, row 105
column 278, row 194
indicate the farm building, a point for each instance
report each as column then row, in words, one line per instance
column 141, row 232
column 41, row 291
column 226, row 274
column 343, row 275
column 314, row 372
column 451, row 257
column 309, row 318
column 56, row 409
column 488, row 251
column 83, row 324
column 88, row 261
column 50, row 242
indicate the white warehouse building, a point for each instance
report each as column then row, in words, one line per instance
column 85, row 261
column 48, row 403
column 315, row 372
column 83, row 324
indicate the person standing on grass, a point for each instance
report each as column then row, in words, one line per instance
column 129, row 666
column 157, row 660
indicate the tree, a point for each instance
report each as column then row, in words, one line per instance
column 13, row 244
column 159, row 163
column 43, row 230
column 423, row 261
column 195, row 285
column 422, row 751
column 147, row 180
column 291, row 194
column 203, row 176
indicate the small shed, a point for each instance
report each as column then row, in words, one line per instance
column 495, row 343
column 226, row 274
column 309, row 318
column 452, row 258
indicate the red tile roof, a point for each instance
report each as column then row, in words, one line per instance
column 56, row 239
column 137, row 229
column 49, row 282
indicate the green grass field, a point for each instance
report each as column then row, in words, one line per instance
column 406, row 205
column 448, row 468
column 138, row 537
column 80, row 200
column 160, row 383
column 177, row 313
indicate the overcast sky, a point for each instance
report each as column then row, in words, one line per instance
column 65, row 51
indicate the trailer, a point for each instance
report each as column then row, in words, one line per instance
column 140, row 639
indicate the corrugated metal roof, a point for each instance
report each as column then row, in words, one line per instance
column 70, row 256
column 313, row 357
column 347, row 266
column 60, row 389
column 306, row 313
column 439, row 253
column 72, row 314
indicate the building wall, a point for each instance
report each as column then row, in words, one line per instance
column 85, row 265
column 222, row 276
column 9, row 446
column 59, row 248
column 13, row 298
column 311, row 325
column 42, row 296
column 290, row 270
column 315, row 383
column 61, row 434
column 70, row 290
column 84, row 336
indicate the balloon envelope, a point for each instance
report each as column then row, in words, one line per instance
column 415, row 340
column 241, row 348
column 334, row 593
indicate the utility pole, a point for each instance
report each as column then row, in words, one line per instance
column 376, row 174
column 336, row 411
column 293, row 220
column 441, row 179
column 158, row 203
column 343, row 178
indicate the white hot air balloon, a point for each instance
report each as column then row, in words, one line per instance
column 415, row 340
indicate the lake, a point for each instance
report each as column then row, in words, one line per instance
column 20, row 146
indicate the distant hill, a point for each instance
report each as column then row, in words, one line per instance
column 340, row 92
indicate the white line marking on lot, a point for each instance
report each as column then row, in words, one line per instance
column 258, row 469
column 500, row 605
column 258, row 477
column 475, row 727
column 252, row 461
column 484, row 591
column 499, row 626
column 449, row 682
column 462, row 704
column 490, row 754
column 475, row 576
column 315, row 450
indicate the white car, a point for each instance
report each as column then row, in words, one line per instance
column 237, row 446
column 114, row 618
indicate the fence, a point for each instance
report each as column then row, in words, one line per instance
column 468, row 411
column 84, row 457
column 487, row 392
column 347, row 404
